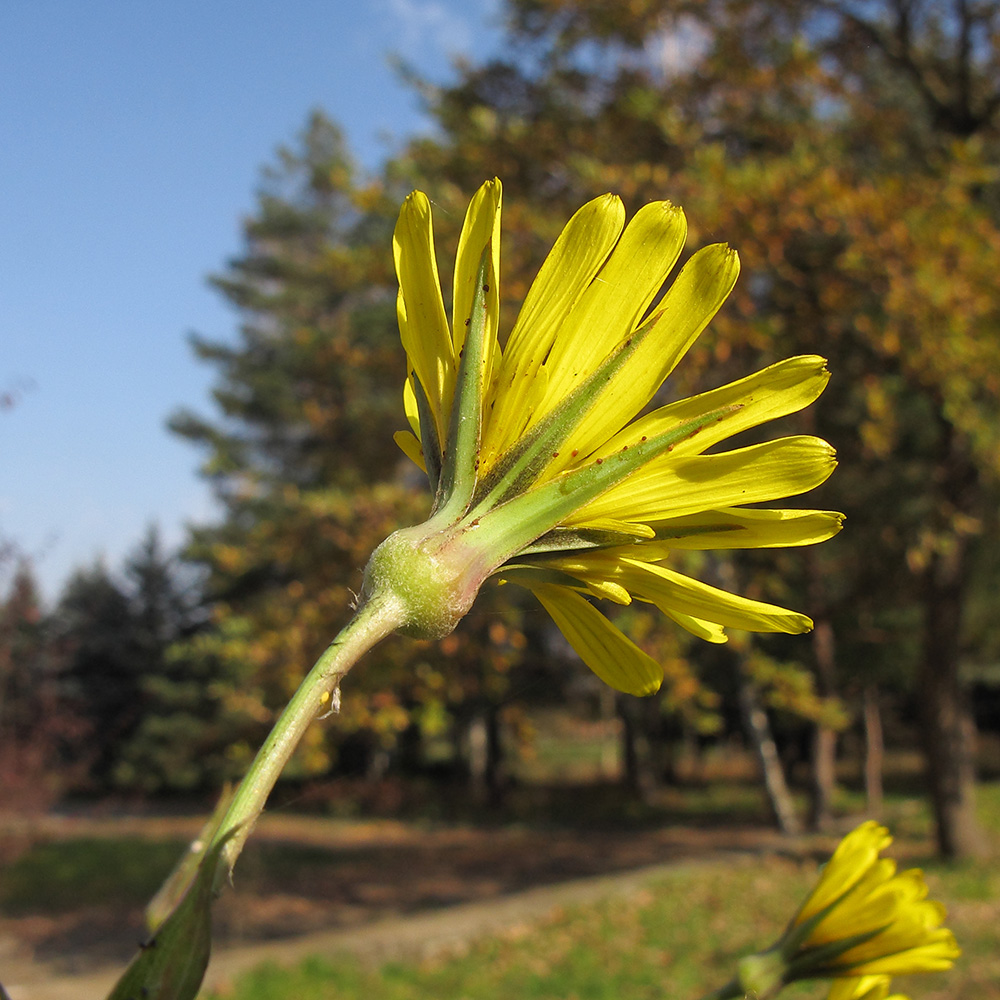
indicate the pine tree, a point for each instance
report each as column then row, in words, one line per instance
column 309, row 393
column 34, row 722
column 100, row 673
column 176, row 743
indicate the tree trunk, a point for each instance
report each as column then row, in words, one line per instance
column 630, row 752
column 824, row 777
column 949, row 732
column 635, row 746
column 485, row 753
column 475, row 754
column 824, row 742
column 874, row 751
column 759, row 729
column 609, row 752
column 665, row 751
column 948, row 738
column 494, row 756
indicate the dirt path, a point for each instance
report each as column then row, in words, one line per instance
column 379, row 891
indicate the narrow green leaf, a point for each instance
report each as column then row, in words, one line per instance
column 172, row 961
column 428, row 436
column 459, row 468
column 177, row 883
column 579, row 539
column 821, row 960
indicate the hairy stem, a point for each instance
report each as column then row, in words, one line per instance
column 378, row 617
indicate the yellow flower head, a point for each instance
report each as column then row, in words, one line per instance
column 863, row 923
column 866, row 919
column 547, row 470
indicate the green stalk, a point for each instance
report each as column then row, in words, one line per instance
column 378, row 617
column 730, row 990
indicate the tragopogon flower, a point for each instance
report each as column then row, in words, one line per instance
column 864, row 922
column 544, row 472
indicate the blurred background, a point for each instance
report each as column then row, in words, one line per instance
column 196, row 471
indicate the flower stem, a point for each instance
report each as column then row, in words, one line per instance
column 730, row 990
column 380, row 615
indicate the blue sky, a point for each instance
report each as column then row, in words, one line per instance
column 133, row 135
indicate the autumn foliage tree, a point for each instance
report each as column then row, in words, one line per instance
column 846, row 149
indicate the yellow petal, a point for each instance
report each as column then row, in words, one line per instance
column 410, row 446
column 783, row 388
column 668, row 488
column 481, row 228
column 683, row 312
column 868, row 908
column 611, row 655
column 625, row 527
column 709, row 631
column 854, row 857
column 936, row 956
column 423, row 326
column 608, row 590
column 616, row 301
column 672, row 591
column 578, row 254
column 861, row 988
column 738, row 528
column 410, row 407
column 901, row 937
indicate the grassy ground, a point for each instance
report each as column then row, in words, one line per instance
column 678, row 938
column 55, row 876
